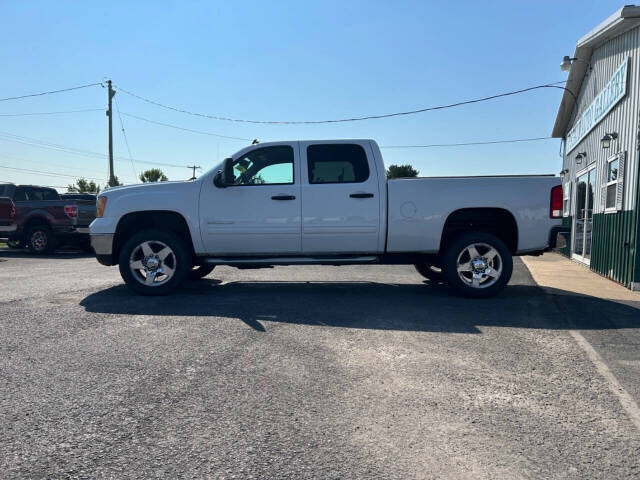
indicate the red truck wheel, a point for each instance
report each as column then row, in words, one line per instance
column 41, row 240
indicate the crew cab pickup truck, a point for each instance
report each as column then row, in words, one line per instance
column 329, row 203
column 36, row 217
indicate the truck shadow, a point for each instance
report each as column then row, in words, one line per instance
column 368, row 305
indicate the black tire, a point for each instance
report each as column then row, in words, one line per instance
column 486, row 284
column 178, row 261
column 200, row 271
column 430, row 272
column 41, row 240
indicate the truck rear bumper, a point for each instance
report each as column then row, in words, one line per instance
column 8, row 228
column 103, row 246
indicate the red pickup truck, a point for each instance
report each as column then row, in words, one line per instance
column 38, row 218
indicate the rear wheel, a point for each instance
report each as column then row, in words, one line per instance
column 478, row 264
column 200, row 271
column 154, row 262
column 41, row 240
column 430, row 272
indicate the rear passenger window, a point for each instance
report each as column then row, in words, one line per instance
column 20, row 195
column 337, row 163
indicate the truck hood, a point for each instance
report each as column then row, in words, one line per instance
column 156, row 187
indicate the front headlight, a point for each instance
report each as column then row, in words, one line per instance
column 102, row 202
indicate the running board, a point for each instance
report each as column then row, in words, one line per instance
column 335, row 260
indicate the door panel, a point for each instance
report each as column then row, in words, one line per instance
column 257, row 216
column 583, row 223
column 340, row 207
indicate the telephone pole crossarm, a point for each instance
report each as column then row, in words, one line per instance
column 193, row 167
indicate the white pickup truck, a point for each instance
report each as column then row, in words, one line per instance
column 328, row 203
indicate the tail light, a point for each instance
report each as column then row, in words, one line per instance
column 71, row 211
column 12, row 213
column 102, row 202
column 555, row 207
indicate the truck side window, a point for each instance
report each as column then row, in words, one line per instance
column 20, row 194
column 337, row 163
column 265, row 166
column 41, row 194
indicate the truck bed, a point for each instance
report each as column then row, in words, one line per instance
column 419, row 207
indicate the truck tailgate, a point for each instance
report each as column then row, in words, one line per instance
column 86, row 212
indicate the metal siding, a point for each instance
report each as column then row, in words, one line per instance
column 610, row 256
column 623, row 119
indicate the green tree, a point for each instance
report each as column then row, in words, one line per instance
column 401, row 171
column 153, row 175
column 82, row 185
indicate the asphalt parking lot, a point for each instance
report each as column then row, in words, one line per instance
column 307, row 372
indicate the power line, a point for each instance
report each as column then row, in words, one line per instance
column 50, row 113
column 386, row 146
column 126, row 141
column 492, row 142
column 50, row 92
column 47, row 163
column 50, row 174
column 185, row 129
column 351, row 119
column 75, row 151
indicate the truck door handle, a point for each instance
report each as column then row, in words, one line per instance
column 283, row 197
column 361, row 195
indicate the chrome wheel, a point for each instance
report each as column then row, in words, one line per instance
column 39, row 241
column 479, row 265
column 152, row 263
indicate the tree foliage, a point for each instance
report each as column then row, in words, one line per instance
column 401, row 171
column 153, row 175
column 83, row 185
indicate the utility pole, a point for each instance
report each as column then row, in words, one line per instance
column 193, row 177
column 111, row 93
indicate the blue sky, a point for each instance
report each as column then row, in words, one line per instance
column 281, row 60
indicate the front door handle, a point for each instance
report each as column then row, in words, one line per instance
column 283, row 197
column 361, row 195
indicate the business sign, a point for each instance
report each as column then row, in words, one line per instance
column 611, row 94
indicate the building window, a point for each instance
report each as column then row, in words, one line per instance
column 566, row 199
column 613, row 187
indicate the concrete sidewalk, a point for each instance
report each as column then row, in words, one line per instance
column 553, row 271
column 608, row 335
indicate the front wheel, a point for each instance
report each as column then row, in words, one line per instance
column 477, row 264
column 154, row 262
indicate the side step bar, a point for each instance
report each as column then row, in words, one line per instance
column 321, row 260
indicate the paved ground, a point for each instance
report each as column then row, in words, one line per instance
column 308, row 372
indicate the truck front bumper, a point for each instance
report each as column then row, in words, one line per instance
column 103, row 246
